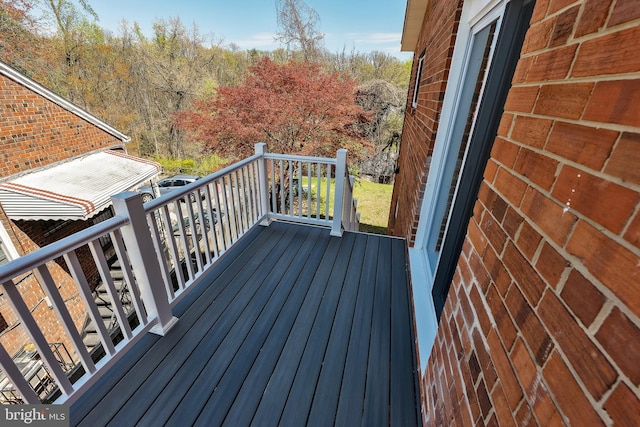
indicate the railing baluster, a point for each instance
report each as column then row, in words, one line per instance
column 130, row 281
column 251, row 195
column 309, row 173
column 251, row 183
column 243, row 201
column 87, row 297
column 51, row 290
column 299, row 189
column 328, row 199
column 173, row 246
column 183, row 240
column 318, row 189
column 291, row 210
column 282, row 194
column 244, row 210
column 205, row 217
column 29, row 323
column 220, row 246
column 226, row 235
column 194, row 236
column 274, row 200
column 232, row 202
column 116, row 304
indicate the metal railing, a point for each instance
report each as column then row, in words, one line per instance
column 164, row 247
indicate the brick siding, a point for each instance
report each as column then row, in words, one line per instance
column 36, row 132
column 542, row 322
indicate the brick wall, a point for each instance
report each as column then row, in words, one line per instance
column 36, row 132
column 542, row 321
column 421, row 123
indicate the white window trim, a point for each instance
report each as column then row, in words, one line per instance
column 475, row 13
column 416, row 86
column 7, row 244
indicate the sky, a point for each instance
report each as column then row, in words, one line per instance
column 251, row 24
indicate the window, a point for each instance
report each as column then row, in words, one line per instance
column 7, row 250
column 416, row 86
column 486, row 52
column 3, row 256
column 3, row 323
column 512, row 27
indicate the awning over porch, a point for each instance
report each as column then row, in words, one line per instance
column 76, row 189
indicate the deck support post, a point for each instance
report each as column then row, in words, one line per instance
column 263, row 182
column 142, row 254
column 338, row 197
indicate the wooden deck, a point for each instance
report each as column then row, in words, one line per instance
column 293, row 327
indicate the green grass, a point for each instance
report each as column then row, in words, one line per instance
column 374, row 201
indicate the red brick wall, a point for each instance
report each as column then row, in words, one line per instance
column 542, row 322
column 421, row 123
column 36, row 132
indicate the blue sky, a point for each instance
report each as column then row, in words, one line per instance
column 365, row 25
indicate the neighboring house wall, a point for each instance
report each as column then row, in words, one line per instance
column 542, row 320
column 421, row 122
column 36, row 132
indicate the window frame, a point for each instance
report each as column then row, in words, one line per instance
column 416, row 86
column 431, row 280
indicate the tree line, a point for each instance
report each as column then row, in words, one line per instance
column 148, row 85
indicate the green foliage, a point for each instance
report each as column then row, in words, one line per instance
column 374, row 202
column 138, row 83
column 201, row 166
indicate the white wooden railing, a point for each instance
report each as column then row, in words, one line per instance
column 164, row 247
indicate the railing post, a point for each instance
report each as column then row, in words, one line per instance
column 263, row 182
column 338, row 196
column 141, row 251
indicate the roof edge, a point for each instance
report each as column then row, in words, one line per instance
column 20, row 78
column 413, row 19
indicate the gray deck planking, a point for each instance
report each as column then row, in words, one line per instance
column 293, row 327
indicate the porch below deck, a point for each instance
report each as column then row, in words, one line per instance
column 292, row 327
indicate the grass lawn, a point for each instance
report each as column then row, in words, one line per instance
column 374, row 201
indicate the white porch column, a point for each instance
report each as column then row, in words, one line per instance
column 144, row 261
column 261, row 149
column 338, row 196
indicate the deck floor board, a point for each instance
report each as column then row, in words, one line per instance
column 292, row 327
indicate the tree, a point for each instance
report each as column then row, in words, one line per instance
column 20, row 46
column 386, row 102
column 298, row 28
column 294, row 108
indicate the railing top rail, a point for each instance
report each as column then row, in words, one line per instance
column 326, row 160
column 55, row 250
column 178, row 193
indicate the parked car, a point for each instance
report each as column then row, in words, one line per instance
column 167, row 185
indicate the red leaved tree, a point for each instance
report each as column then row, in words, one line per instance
column 294, row 108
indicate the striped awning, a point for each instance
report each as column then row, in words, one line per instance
column 76, row 189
